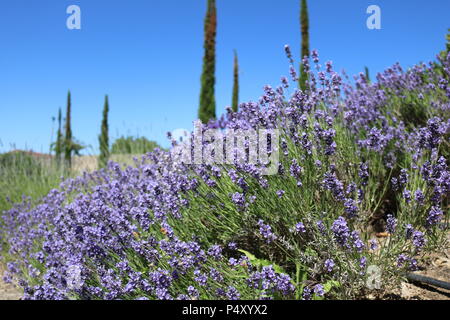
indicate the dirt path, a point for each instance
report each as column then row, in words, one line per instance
column 437, row 267
column 8, row 291
column 419, row 291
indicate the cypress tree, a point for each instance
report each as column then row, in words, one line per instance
column 235, row 101
column 59, row 140
column 448, row 41
column 304, row 22
column 207, row 108
column 367, row 74
column 68, row 138
column 103, row 137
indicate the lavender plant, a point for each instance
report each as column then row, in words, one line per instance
column 354, row 158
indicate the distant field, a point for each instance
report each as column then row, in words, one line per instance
column 35, row 176
column 90, row 163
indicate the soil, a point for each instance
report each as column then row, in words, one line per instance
column 437, row 267
column 8, row 291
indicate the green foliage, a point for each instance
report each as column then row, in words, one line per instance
column 259, row 263
column 131, row 145
column 68, row 138
column 367, row 74
column 304, row 22
column 70, row 146
column 327, row 287
column 58, row 146
column 207, row 109
column 443, row 54
column 448, row 41
column 21, row 174
column 104, row 137
column 235, row 101
column 213, row 217
column 20, row 160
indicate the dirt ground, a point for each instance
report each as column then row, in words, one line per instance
column 437, row 267
column 8, row 291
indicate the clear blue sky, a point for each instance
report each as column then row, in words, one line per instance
column 147, row 55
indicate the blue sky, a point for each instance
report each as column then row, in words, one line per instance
column 147, row 55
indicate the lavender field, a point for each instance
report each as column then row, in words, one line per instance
column 356, row 161
column 358, row 202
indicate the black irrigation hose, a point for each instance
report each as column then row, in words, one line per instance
column 428, row 280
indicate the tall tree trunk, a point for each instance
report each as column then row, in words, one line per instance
column 207, row 108
column 68, row 138
column 104, row 137
column 304, row 21
column 59, row 142
column 235, row 101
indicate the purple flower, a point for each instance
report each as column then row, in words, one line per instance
column 193, row 292
column 409, row 231
column 239, row 200
column 307, row 293
column 430, row 137
column 357, row 242
column 233, row 262
column 403, row 177
column 232, row 246
column 320, row 226
column 363, row 173
column 341, row 231
column 287, row 50
column 293, row 73
column 300, row 228
column 351, row 188
column 375, row 141
column 318, row 290
column 373, row 244
column 280, row 193
column 413, row 266
column 329, row 265
column 363, row 262
column 418, row 239
column 266, row 231
column 232, row 293
column 215, row 251
column 269, row 280
column 391, row 224
column 434, row 216
column 315, row 56
column 419, row 196
column 407, row 195
column 350, row 208
column 318, row 163
column 284, row 82
column 215, row 275
column 401, row 259
column 395, row 185
column 200, row 278
column 332, row 183
column 295, row 169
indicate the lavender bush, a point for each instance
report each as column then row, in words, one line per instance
column 355, row 159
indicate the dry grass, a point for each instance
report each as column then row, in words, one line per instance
column 81, row 164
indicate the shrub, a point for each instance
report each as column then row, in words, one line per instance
column 167, row 229
column 22, row 173
column 132, row 145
